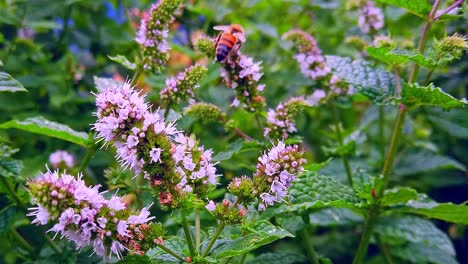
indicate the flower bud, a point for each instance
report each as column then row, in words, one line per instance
column 205, row 112
column 243, row 188
column 181, row 87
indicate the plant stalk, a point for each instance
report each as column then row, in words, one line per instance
column 213, row 239
column 89, row 154
column 382, row 131
column 339, row 135
column 168, row 250
column 197, row 229
column 259, row 123
column 310, row 247
column 23, row 242
column 371, row 218
column 188, row 236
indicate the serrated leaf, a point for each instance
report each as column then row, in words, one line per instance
column 364, row 183
column 290, row 222
column 313, row 167
column 420, row 8
column 278, row 258
column 42, row 126
column 382, row 54
column 418, row 253
column 235, row 148
column 135, row 259
column 424, row 161
column 121, row 59
column 265, row 233
column 377, row 85
column 106, row 83
column 8, row 84
column 413, row 56
column 398, row 195
column 10, row 167
column 176, row 244
column 414, row 95
column 334, row 217
column 7, row 219
column 449, row 212
column 316, row 191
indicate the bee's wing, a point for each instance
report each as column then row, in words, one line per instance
column 221, row 27
column 240, row 37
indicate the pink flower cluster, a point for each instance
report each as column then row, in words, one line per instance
column 182, row 86
column 242, row 74
column 280, row 122
column 172, row 162
column 370, row 18
column 62, row 158
column 82, row 215
column 153, row 32
column 276, row 170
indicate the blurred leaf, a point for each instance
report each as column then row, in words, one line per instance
column 314, row 167
column 420, row 8
column 398, row 56
column 105, row 83
column 277, row 258
column 334, row 217
column 136, row 259
column 266, row 233
column 414, row 95
column 401, row 230
column 424, row 161
column 290, row 222
column 398, row 195
column 176, row 244
column 236, row 147
column 8, row 84
column 453, row 122
column 42, row 126
column 377, row 85
column 42, row 25
column 346, row 149
column 449, row 212
column 123, row 61
column 10, row 167
column 413, row 56
column 316, row 191
column 7, row 219
column 418, row 253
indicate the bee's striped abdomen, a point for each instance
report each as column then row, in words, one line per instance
column 225, row 44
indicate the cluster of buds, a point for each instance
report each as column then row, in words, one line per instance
column 145, row 143
column 82, row 215
column 205, row 111
column 276, row 170
column 371, row 18
column 280, row 122
column 153, row 32
column 61, row 159
column 226, row 212
column 314, row 66
column 181, row 87
column 449, row 48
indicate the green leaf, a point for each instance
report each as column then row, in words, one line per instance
column 236, row 147
column 377, row 85
column 7, row 219
column 123, row 61
column 449, row 212
column 382, row 54
column 396, row 231
column 348, row 148
column 10, row 167
column 290, row 222
column 265, row 233
column 314, row 167
column 42, row 126
column 136, row 259
column 8, row 84
column 398, row 195
column 366, row 184
column 424, row 161
column 418, row 253
column 334, row 217
column 414, row 95
column 317, row 191
column 420, row 8
column 278, row 258
column 176, row 244
column 453, row 122
column 413, row 56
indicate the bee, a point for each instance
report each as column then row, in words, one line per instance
column 230, row 39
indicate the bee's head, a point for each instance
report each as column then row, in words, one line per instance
column 235, row 28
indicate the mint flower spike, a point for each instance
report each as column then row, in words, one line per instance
column 82, row 215
column 62, row 159
column 311, row 61
column 280, row 122
column 182, row 87
column 370, row 18
column 276, row 169
column 153, row 32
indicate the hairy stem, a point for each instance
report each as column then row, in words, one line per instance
column 188, row 236
column 197, row 229
column 309, row 247
column 339, row 135
column 168, row 250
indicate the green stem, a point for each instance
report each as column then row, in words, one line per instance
column 371, row 218
column 431, row 71
column 177, row 256
column 385, row 251
column 243, row 258
column 213, row 239
column 259, row 123
column 197, row 229
column 382, row 131
column 310, row 247
column 51, row 242
column 136, row 75
column 89, row 154
column 23, row 242
column 188, row 236
column 166, row 111
column 339, row 135
column 13, row 194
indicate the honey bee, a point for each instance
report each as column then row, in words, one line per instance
column 230, row 39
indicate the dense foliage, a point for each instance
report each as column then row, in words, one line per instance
column 297, row 132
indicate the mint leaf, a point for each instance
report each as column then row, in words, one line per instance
column 398, row 195
column 8, row 84
column 334, row 217
column 10, row 167
column 121, row 59
column 413, row 56
column 453, row 122
column 278, row 258
column 420, row 8
column 176, row 244
column 7, row 219
column 398, row 56
column 418, row 253
column 395, row 231
column 424, row 161
column 365, row 184
column 42, row 126
column 414, row 95
column 317, row 191
column 377, row 85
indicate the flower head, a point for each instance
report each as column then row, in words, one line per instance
column 370, row 18
column 62, row 159
column 182, row 86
